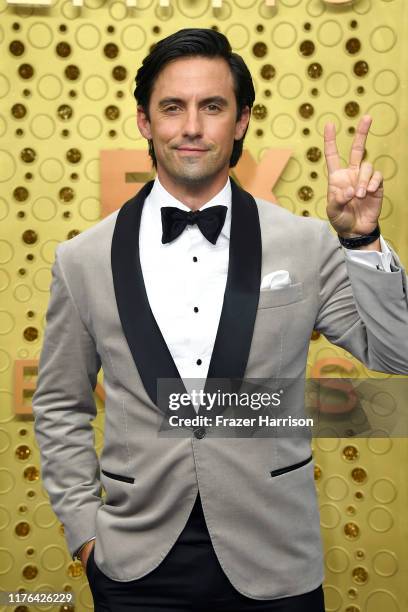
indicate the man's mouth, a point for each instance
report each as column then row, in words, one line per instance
column 195, row 149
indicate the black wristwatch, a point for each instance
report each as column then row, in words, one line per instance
column 358, row 241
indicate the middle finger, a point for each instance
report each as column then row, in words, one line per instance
column 365, row 174
column 358, row 146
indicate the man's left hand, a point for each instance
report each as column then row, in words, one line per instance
column 355, row 193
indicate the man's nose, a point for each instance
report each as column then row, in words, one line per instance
column 192, row 124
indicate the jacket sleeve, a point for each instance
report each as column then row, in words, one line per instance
column 63, row 406
column 362, row 309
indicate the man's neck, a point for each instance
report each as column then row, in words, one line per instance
column 194, row 197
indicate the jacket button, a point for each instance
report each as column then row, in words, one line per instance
column 200, row 432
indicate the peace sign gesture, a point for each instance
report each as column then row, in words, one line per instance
column 355, row 193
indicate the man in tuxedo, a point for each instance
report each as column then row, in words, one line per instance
column 195, row 278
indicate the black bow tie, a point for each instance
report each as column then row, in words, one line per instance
column 210, row 221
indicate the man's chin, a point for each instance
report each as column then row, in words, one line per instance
column 193, row 176
column 190, row 179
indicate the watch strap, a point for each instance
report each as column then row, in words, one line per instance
column 362, row 240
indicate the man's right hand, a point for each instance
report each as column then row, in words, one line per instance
column 85, row 552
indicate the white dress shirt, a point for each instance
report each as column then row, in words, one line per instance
column 185, row 282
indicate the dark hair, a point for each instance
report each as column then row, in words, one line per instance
column 195, row 42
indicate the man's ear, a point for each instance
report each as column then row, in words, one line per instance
column 242, row 123
column 143, row 122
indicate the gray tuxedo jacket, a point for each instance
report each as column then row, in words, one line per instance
column 265, row 529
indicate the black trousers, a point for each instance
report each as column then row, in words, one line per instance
column 189, row 579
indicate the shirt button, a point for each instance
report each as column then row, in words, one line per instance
column 199, row 362
column 195, row 258
column 200, row 432
column 195, row 309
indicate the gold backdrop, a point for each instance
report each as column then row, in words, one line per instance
column 66, row 83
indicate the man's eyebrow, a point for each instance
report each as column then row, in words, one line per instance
column 210, row 100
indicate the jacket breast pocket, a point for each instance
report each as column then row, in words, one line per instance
column 271, row 298
column 290, row 468
column 128, row 479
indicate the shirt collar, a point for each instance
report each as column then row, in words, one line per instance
column 159, row 196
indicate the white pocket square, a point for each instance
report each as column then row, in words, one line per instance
column 276, row 280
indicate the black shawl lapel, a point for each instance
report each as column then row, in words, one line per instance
column 150, row 353
column 235, row 330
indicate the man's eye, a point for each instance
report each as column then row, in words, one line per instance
column 214, row 106
column 170, row 108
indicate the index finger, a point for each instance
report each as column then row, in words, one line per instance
column 330, row 148
column 358, row 146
